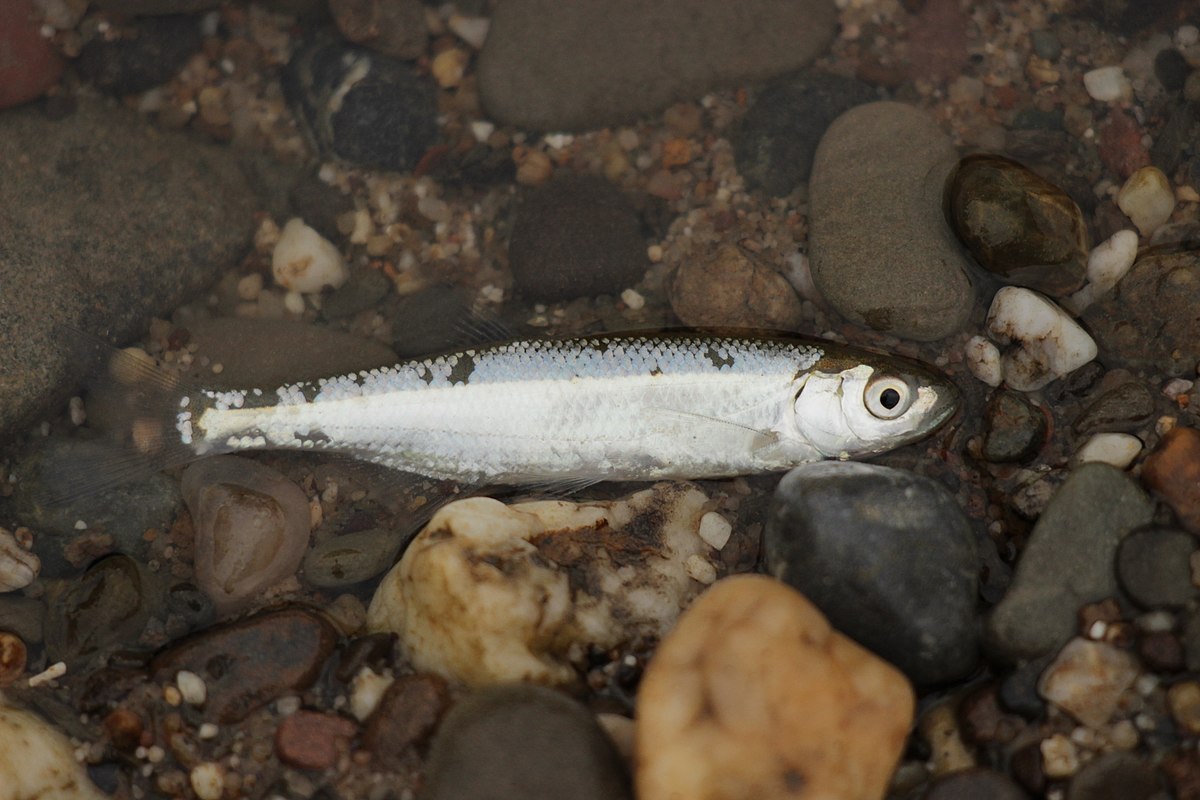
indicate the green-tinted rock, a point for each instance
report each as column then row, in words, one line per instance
column 1015, row 428
column 354, row 557
column 1122, row 408
column 1017, row 225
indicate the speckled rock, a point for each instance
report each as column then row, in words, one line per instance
column 519, row 742
column 732, row 288
column 38, row 761
column 491, row 593
column 1172, row 471
column 575, row 237
column 775, row 144
column 888, row 556
column 1149, row 320
column 1068, row 560
column 107, row 184
column 248, row 663
column 1155, row 569
column 882, row 253
column 361, row 106
column 1018, row 225
column 753, row 694
column 553, row 66
column 137, row 56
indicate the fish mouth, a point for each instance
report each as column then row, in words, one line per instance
column 948, row 404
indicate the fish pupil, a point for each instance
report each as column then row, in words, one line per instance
column 889, row 399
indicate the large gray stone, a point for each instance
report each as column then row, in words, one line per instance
column 552, row 65
column 881, row 251
column 104, row 223
column 1068, row 561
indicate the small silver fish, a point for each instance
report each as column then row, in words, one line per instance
column 544, row 411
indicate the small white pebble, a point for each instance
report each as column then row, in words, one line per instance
column 76, row 411
column 472, row 30
column 700, row 569
column 1177, row 386
column 363, row 229
column 655, row 253
column 286, row 706
column 1147, row 199
column 633, row 299
column 983, row 359
column 1049, row 343
column 1107, row 84
column 482, row 130
column 1111, row 259
column 558, row 140
column 191, row 687
column 80, row 525
column 305, row 261
column 155, row 754
column 207, row 730
column 366, row 690
column 1187, row 35
column 715, row 530
column 208, row 780
column 172, row 696
column 1060, row 756
column 1097, row 630
column 294, row 302
column 1117, row 449
column 1123, row 735
column 52, row 672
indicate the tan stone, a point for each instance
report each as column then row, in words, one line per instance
column 753, row 694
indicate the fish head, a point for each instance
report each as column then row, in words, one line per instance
column 850, row 407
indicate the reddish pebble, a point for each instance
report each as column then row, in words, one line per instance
column 12, row 658
column 407, row 716
column 28, row 64
column 124, row 728
column 937, row 41
column 1172, row 471
column 1119, row 141
column 309, row 739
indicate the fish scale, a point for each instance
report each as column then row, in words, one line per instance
column 621, row 407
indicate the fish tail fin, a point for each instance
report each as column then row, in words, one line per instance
column 143, row 411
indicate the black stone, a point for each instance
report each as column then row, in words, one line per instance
column 775, row 144
column 1018, row 691
column 144, row 53
column 363, row 290
column 1116, row 776
column 1014, row 428
column 361, row 106
column 975, row 784
column 888, row 556
column 1171, row 69
column 576, row 236
column 319, row 205
column 520, row 742
column 1154, row 567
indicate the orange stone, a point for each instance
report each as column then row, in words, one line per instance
column 1172, row 472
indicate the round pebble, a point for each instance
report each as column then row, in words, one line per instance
column 1172, row 472
column 1107, row 84
column 305, row 261
column 1014, row 428
column 1147, row 199
column 1116, row 449
column 313, row 740
column 1116, row 776
column 108, row 605
column 1154, row 567
column 351, row 558
column 1125, row 407
column 406, row 716
column 140, row 54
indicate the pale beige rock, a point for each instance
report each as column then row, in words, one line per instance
column 753, row 695
column 36, row 761
column 1086, row 680
column 489, row 593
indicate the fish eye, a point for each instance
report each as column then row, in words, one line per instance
column 887, row 397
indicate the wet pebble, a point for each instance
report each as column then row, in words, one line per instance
column 1121, row 408
column 778, row 137
column 305, row 261
column 489, row 593
column 140, row 54
column 1171, row 68
column 1116, row 776
column 1117, row 449
column 38, row 761
column 582, row 65
column 1147, row 199
column 975, row 784
column 360, row 106
column 252, row 528
column 1086, row 680
column 575, row 236
column 1154, row 567
column 395, row 28
column 407, row 716
column 1043, row 342
column 108, row 605
column 732, row 288
column 1014, row 428
column 1068, row 560
column 1119, row 143
column 1018, row 225
column 312, row 739
column 519, row 742
column 13, row 658
column 363, row 289
column 351, row 558
column 248, row 663
column 887, row 556
column 882, row 253
column 1172, row 471
column 18, row 566
column 1107, row 84
column 1046, row 44
column 1149, row 319
column 753, row 694
column 31, row 65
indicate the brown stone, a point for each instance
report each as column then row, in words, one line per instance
column 937, row 41
column 1183, row 770
column 248, row 663
column 1161, row 652
column 393, row 27
column 731, row 288
column 124, row 728
column 982, row 719
column 313, row 740
column 13, row 655
column 29, row 64
column 753, row 694
column 1172, row 471
column 407, row 716
column 1119, row 141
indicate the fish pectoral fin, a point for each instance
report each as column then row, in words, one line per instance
column 757, row 438
column 554, row 486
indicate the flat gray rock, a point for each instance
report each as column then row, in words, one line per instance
column 1068, row 561
column 104, row 223
column 882, row 253
column 553, row 65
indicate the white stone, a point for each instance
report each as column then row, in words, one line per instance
column 1107, row 84
column 700, row 569
column 1086, row 680
column 18, row 566
column 715, row 530
column 1048, row 343
column 1187, row 35
column 472, row 30
column 208, row 780
column 36, row 761
column 983, row 359
column 366, row 690
column 1118, row 449
column 491, row 593
column 1147, row 199
column 1111, row 259
column 192, row 687
column 305, row 261
column 633, row 298
column 482, row 130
